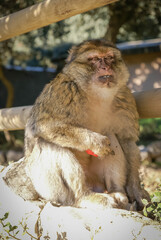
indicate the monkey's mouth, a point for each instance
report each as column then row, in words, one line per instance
column 107, row 80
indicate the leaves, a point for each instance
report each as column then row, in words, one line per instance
column 152, row 209
column 145, row 201
column 156, row 197
column 118, row 19
column 5, row 216
column 10, row 229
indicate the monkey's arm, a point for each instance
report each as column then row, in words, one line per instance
column 127, row 139
column 66, row 135
column 133, row 188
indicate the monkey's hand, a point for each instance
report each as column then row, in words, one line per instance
column 136, row 193
column 66, row 135
column 100, row 145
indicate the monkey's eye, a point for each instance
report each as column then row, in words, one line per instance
column 109, row 59
column 94, row 59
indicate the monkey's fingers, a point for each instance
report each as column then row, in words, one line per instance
column 109, row 151
column 112, row 152
column 106, row 150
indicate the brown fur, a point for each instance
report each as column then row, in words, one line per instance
column 80, row 110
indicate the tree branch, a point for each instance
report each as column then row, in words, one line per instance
column 43, row 14
column 148, row 106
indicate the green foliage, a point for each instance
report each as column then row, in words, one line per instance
column 11, row 231
column 8, row 228
column 152, row 209
column 118, row 20
column 143, row 23
column 150, row 129
column 12, row 140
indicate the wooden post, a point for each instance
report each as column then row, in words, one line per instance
column 148, row 105
column 43, row 14
column 14, row 118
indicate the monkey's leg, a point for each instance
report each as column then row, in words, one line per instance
column 58, row 177
column 69, row 136
column 133, row 188
column 97, row 201
column 45, row 169
column 17, row 179
column 115, row 173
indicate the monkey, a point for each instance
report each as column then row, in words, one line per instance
column 87, row 107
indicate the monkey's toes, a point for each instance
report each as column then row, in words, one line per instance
column 106, row 151
column 121, row 199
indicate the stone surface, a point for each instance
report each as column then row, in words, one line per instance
column 69, row 223
column 19, row 210
column 72, row 223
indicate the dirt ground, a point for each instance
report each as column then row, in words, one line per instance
column 150, row 176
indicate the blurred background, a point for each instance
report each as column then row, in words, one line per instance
column 29, row 61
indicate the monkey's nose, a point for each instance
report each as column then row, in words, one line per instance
column 106, row 67
column 105, row 71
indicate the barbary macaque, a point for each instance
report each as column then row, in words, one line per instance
column 87, row 107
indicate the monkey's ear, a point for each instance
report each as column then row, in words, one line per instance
column 72, row 54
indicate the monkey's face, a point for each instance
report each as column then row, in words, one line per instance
column 102, row 64
column 98, row 62
column 108, row 67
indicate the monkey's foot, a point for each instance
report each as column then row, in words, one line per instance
column 120, row 200
column 103, row 201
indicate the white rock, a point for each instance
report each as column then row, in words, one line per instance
column 73, row 223
column 18, row 209
column 69, row 223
